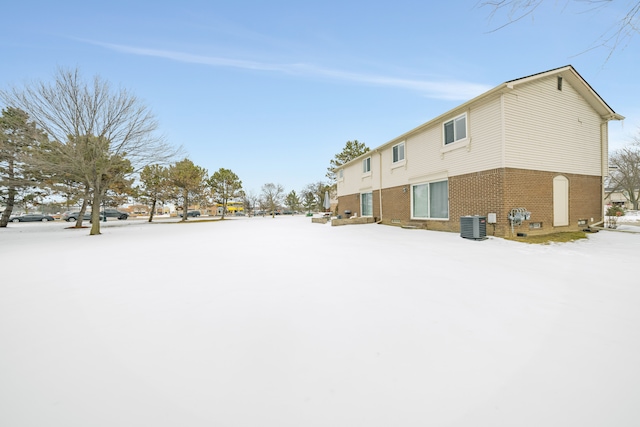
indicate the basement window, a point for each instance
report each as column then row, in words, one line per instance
column 535, row 225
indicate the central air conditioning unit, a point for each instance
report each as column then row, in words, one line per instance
column 473, row 227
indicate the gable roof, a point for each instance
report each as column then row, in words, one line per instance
column 567, row 72
column 579, row 84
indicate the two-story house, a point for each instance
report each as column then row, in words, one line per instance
column 537, row 143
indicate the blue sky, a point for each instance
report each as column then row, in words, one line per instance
column 273, row 90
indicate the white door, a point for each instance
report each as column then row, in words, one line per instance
column 560, row 201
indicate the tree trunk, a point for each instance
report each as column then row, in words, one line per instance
column 186, row 205
column 153, row 209
column 11, row 194
column 6, row 214
column 83, row 208
column 95, row 211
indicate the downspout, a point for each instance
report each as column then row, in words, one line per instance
column 604, row 167
column 379, row 184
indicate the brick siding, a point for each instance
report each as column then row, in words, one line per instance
column 494, row 191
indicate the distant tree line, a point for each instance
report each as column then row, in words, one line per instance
column 88, row 145
column 69, row 136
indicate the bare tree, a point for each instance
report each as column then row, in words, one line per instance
column 625, row 172
column 250, row 200
column 98, row 130
column 272, row 196
column 614, row 36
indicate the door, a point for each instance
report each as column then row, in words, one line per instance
column 560, row 201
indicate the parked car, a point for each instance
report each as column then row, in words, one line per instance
column 191, row 213
column 31, row 218
column 113, row 213
column 71, row 216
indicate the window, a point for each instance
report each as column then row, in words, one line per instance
column 340, row 174
column 430, row 200
column 455, row 130
column 398, row 152
column 366, row 165
column 366, row 204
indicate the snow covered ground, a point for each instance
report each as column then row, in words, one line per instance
column 281, row 322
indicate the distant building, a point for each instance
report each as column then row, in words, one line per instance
column 233, row 208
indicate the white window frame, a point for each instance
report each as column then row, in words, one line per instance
column 456, row 137
column 361, row 204
column 429, row 217
column 404, row 153
column 366, row 166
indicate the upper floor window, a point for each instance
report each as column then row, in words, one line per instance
column 366, row 165
column 455, row 130
column 340, row 174
column 398, row 152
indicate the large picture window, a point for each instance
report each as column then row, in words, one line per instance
column 366, row 204
column 398, row 152
column 430, row 200
column 455, row 130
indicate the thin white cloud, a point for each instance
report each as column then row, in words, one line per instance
column 446, row 89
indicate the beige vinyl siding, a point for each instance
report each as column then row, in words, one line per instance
column 395, row 174
column 551, row 130
column 525, row 124
column 354, row 181
column 423, row 157
column 483, row 149
column 350, row 183
column 426, row 155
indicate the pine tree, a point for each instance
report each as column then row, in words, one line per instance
column 19, row 138
column 154, row 189
column 351, row 150
column 292, row 201
column 189, row 179
column 225, row 185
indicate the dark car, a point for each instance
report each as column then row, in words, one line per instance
column 32, row 218
column 192, row 214
column 72, row 216
column 113, row 213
